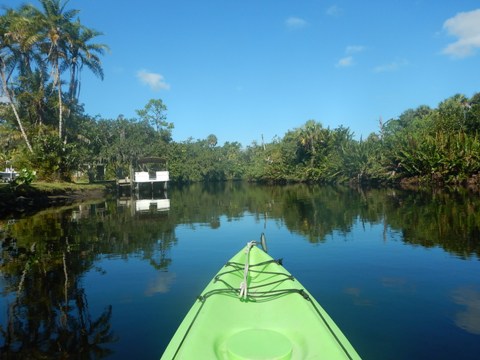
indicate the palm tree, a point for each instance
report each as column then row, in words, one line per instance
column 20, row 35
column 8, row 61
column 310, row 136
column 35, row 42
column 81, row 52
column 55, row 22
column 212, row 140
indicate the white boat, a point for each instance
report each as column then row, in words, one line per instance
column 8, row 175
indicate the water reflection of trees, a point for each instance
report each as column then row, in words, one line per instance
column 43, row 259
column 450, row 220
column 315, row 211
column 447, row 220
column 47, row 313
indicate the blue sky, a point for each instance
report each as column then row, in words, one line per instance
column 241, row 69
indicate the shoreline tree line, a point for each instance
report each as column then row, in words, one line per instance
column 43, row 126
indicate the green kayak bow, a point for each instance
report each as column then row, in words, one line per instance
column 255, row 309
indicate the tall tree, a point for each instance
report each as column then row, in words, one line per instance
column 20, row 33
column 55, row 22
column 8, row 60
column 310, row 137
column 154, row 114
column 7, row 93
column 82, row 52
column 212, row 140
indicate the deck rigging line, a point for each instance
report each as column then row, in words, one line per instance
column 254, row 293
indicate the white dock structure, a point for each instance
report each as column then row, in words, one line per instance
column 142, row 177
column 157, row 176
column 145, row 177
column 149, row 173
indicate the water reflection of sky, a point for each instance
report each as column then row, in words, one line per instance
column 358, row 297
column 160, row 284
column 468, row 318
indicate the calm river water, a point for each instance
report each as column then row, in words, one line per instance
column 399, row 272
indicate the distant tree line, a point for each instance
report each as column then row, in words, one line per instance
column 44, row 127
column 423, row 145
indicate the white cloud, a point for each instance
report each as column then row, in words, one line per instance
column 393, row 66
column 295, row 22
column 466, row 27
column 155, row 81
column 348, row 60
column 345, row 62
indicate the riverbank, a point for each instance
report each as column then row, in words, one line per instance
column 28, row 199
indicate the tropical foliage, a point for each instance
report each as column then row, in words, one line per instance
column 43, row 126
column 41, row 50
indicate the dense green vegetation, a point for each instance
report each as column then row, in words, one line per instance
column 43, row 126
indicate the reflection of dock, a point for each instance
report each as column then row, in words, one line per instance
column 145, row 206
column 83, row 211
column 152, row 205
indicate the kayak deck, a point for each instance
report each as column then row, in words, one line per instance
column 276, row 318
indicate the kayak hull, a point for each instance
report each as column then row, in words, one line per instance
column 276, row 319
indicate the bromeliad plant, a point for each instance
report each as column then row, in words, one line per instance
column 24, row 178
column 446, row 158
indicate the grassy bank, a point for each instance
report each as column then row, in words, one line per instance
column 38, row 195
column 50, row 189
